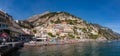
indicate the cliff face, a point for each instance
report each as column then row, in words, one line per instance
column 65, row 25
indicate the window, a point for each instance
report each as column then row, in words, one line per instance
column 0, row 25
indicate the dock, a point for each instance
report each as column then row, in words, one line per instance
column 10, row 47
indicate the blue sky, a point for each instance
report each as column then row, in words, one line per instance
column 103, row 12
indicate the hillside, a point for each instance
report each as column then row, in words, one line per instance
column 66, row 26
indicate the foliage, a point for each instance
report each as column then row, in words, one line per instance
column 50, row 34
column 35, row 31
column 51, row 21
column 69, row 21
column 84, row 30
column 57, row 21
column 57, row 34
column 90, row 28
column 62, row 37
column 71, row 36
column 72, row 22
column 93, row 36
column 78, row 37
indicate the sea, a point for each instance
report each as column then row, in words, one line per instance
column 92, row 48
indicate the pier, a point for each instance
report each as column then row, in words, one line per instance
column 10, row 47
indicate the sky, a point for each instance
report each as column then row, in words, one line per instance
column 103, row 12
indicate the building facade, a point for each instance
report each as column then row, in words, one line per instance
column 4, row 23
column 7, row 25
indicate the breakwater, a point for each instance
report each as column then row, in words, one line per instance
column 10, row 47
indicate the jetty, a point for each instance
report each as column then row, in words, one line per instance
column 10, row 47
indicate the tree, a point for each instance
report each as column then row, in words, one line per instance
column 78, row 37
column 50, row 34
column 84, row 30
column 72, row 36
column 35, row 31
column 62, row 37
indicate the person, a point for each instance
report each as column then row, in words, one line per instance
column 4, row 40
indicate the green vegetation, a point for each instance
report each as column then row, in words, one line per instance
column 72, row 22
column 35, row 31
column 93, row 36
column 75, row 30
column 106, row 34
column 50, row 34
column 78, row 37
column 71, row 36
column 51, row 21
column 62, row 37
column 90, row 29
column 57, row 21
column 57, row 34
column 84, row 30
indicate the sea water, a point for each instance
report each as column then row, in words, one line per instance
column 102, row 48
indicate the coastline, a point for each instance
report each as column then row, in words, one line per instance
column 61, row 42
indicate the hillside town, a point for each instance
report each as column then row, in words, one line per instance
column 62, row 25
column 59, row 28
column 51, row 26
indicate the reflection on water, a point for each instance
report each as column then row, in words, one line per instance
column 81, row 49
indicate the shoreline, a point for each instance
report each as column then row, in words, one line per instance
column 63, row 42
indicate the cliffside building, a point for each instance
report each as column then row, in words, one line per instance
column 7, row 26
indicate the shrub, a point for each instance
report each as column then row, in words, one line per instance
column 78, row 37
column 93, row 36
column 84, row 30
column 62, row 37
column 71, row 36
column 35, row 31
column 50, row 34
